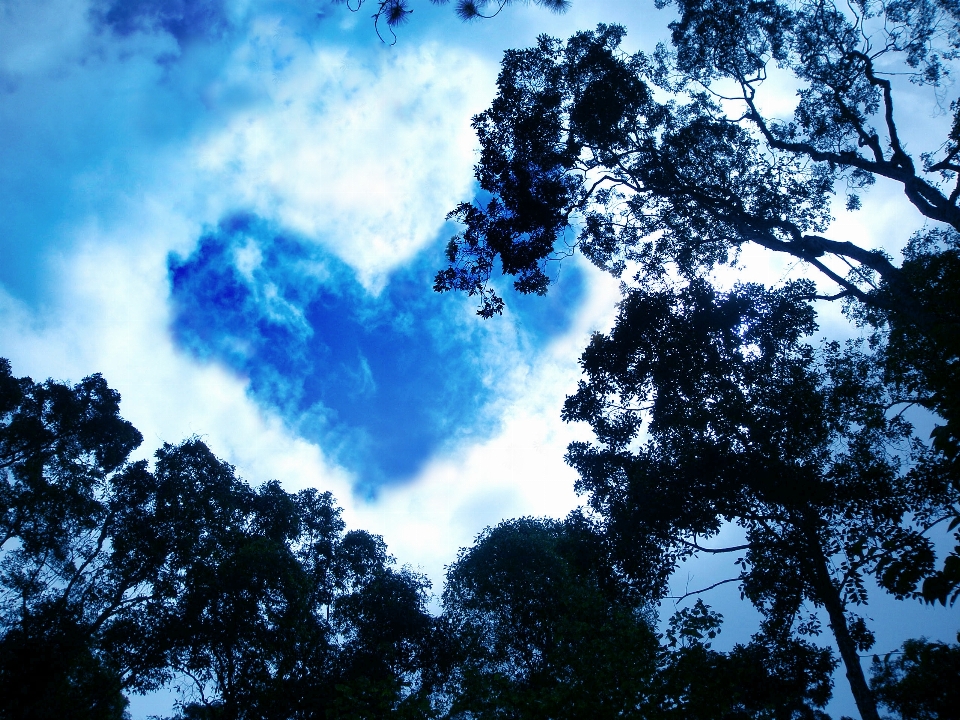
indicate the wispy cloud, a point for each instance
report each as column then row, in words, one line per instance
column 363, row 157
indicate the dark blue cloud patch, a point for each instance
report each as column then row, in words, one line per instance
column 382, row 381
column 185, row 20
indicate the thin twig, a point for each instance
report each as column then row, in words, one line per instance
column 678, row 598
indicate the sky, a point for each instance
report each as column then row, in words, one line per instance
column 233, row 210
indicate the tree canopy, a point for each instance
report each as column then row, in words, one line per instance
column 714, row 407
column 121, row 576
column 919, row 683
column 710, row 408
column 581, row 138
column 665, row 165
column 543, row 625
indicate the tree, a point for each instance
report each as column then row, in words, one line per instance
column 660, row 167
column 577, row 133
column 920, row 682
column 267, row 607
column 762, row 679
column 50, row 669
column 230, row 609
column 709, row 408
column 579, row 141
column 542, row 624
column 118, row 577
column 61, row 579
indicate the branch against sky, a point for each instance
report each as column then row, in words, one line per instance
column 394, row 13
column 579, row 141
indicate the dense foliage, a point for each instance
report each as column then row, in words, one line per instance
column 122, row 577
column 919, row 683
column 544, row 626
column 709, row 408
column 118, row 576
column 666, row 165
column 713, row 407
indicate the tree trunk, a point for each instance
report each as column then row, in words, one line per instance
column 829, row 595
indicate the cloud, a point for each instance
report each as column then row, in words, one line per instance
column 113, row 312
column 185, row 20
column 381, row 381
column 115, row 146
column 86, row 120
column 363, row 157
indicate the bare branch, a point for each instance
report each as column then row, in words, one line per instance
column 735, row 548
column 678, row 598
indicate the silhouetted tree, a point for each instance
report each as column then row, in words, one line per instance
column 766, row 678
column 660, row 167
column 50, row 668
column 117, row 577
column 288, row 616
column 920, row 682
column 578, row 139
column 542, row 625
column 709, row 408
column 62, row 579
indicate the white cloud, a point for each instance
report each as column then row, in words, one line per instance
column 366, row 157
column 112, row 316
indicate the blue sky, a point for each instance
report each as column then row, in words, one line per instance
column 233, row 209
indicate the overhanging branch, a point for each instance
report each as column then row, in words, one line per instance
column 735, row 548
column 678, row 598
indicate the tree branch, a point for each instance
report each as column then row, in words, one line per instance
column 79, row 571
column 924, row 196
column 678, row 598
column 900, row 157
column 735, row 548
